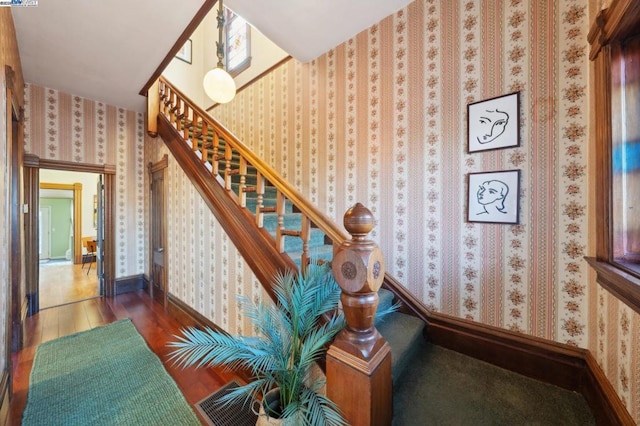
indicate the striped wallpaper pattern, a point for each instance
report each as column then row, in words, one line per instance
column 381, row 119
column 64, row 127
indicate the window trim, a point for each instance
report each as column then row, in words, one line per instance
column 620, row 21
column 246, row 63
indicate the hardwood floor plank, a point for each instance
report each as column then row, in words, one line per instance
column 152, row 322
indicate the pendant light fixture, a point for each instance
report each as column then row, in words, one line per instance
column 218, row 84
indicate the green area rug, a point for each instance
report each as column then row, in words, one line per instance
column 104, row 376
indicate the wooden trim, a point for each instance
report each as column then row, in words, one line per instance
column 315, row 215
column 255, row 245
column 613, row 24
column 77, row 214
column 15, row 185
column 32, row 224
column 197, row 19
column 544, row 360
column 601, row 396
column 106, row 169
column 5, row 394
column 109, row 264
column 256, row 78
column 189, row 317
column 163, row 163
column 32, row 161
column 129, row 284
column 621, row 284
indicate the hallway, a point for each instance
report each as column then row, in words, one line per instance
column 151, row 320
column 62, row 282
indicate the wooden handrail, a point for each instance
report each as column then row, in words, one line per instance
column 266, row 173
column 322, row 221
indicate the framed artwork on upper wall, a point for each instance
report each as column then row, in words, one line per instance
column 184, row 54
column 494, row 123
column 494, row 197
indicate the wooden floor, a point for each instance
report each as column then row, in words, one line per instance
column 64, row 282
column 149, row 317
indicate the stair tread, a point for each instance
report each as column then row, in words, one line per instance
column 403, row 333
column 385, row 299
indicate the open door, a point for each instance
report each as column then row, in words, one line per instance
column 158, row 280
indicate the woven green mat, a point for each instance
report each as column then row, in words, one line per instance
column 104, row 376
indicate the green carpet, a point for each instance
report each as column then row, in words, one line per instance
column 104, row 376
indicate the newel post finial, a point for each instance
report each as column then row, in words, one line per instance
column 359, row 360
column 358, row 267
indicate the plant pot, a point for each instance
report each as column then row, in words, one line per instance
column 271, row 400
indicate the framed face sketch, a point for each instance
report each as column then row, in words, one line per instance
column 494, row 123
column 494, row 197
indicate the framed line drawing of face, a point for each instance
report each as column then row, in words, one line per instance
column 494, row 197
column 494, row 123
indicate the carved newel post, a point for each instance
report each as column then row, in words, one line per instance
column 359, row 360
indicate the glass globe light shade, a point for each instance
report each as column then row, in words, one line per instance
column 219, row 85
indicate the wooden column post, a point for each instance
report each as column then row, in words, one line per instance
column 359, row 360
column 153, row 109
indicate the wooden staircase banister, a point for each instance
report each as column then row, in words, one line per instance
column 322, row 221
column 160, row 103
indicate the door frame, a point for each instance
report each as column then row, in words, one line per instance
column 32, row 166
column 160, row 166
column 77, row 214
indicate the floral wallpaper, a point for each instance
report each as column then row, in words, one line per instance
column 64, row 127
column 203, row 269
column 381, row 119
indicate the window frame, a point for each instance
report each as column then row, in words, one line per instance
column 613, row 25
column 246, row 63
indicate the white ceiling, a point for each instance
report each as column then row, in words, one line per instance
column 106, row 50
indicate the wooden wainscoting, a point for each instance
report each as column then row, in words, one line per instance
column 131, row 283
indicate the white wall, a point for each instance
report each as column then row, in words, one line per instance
column 188, row 77
column 89, row 189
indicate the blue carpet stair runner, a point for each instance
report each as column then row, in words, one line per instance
column 319, row 249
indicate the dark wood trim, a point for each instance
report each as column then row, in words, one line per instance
column 189, row 317
column 256, row 78
column 5, row 394
column 32, row 164
column 551, row 362
column 130, row 283
column 608, row 33
column 197, row 19
column 163, row 163
column 541, row 359
column 255, row 245
column 154, row 217
column 621, row 284
column 601, row 396
column 16, row 235
column 615, row 23
column 31, row 229
column 34, row 161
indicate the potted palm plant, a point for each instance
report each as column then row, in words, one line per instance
column 291, row 335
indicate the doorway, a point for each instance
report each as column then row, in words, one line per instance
column 68, row 227
column 92, row 219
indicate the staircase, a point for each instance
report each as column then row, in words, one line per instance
column 268, row 206
column 262, row 203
